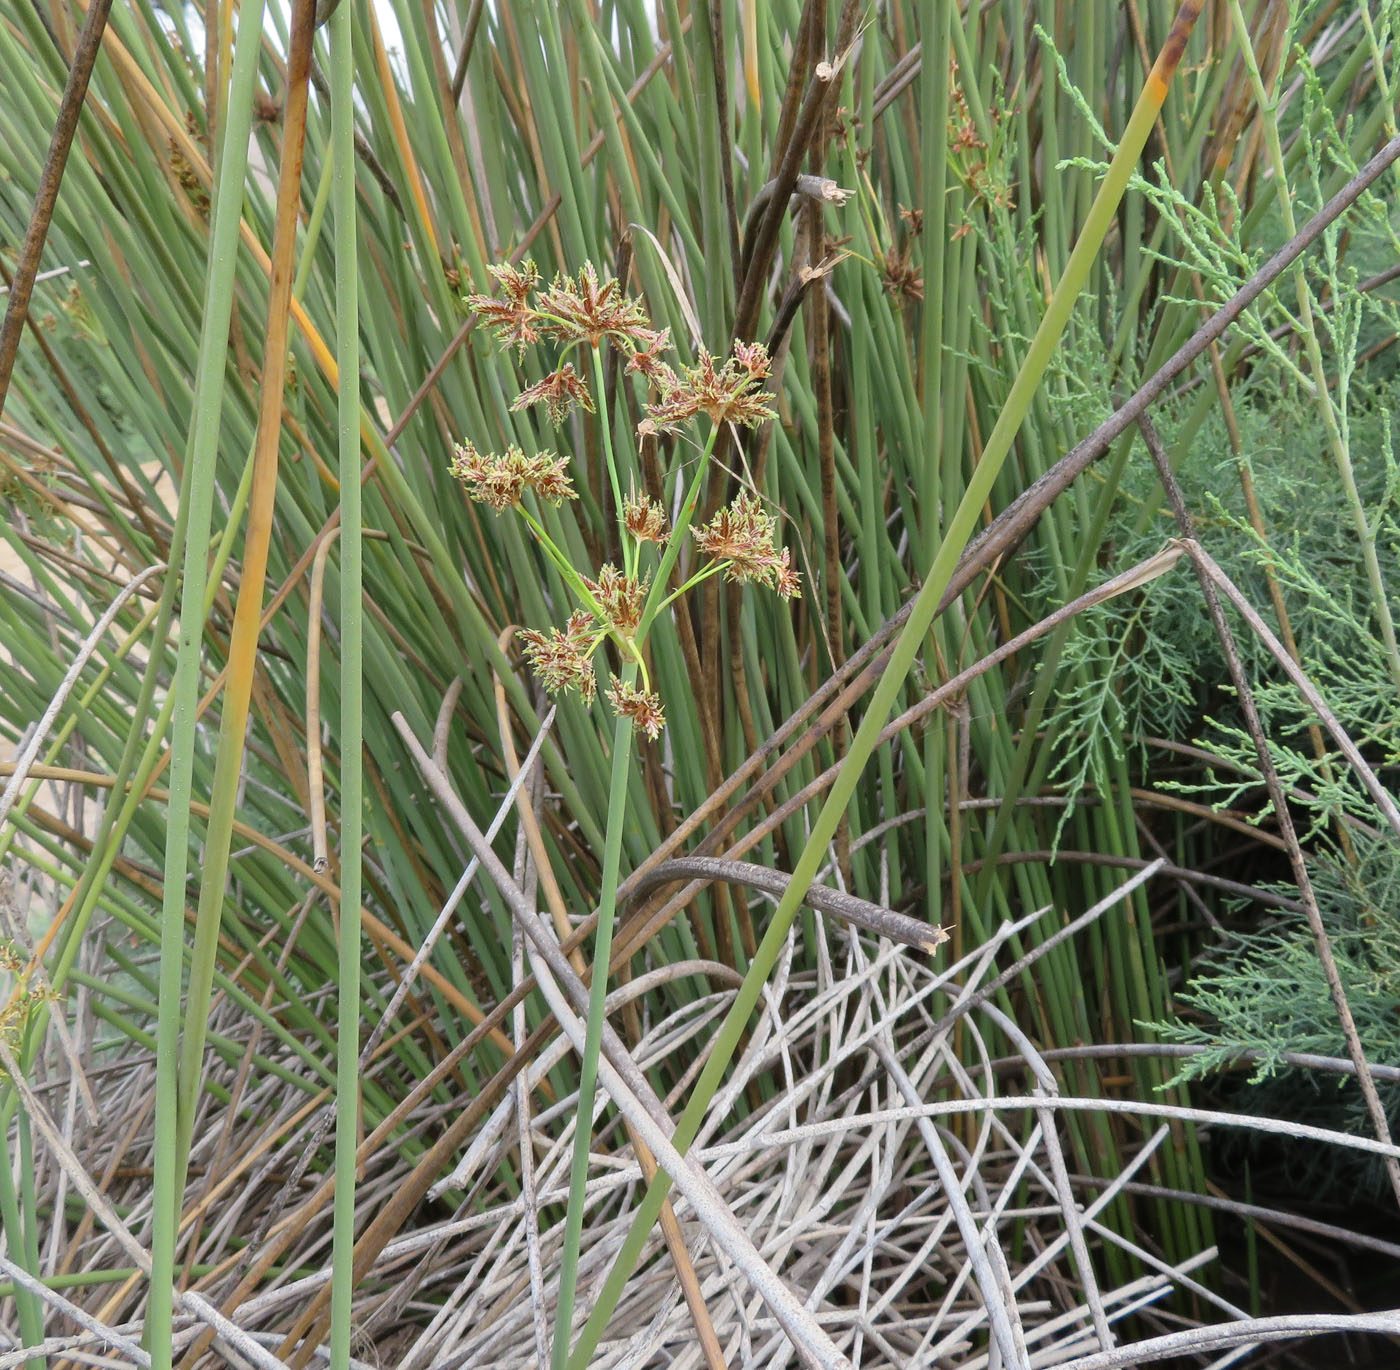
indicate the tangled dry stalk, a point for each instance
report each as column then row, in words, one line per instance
column 914, row 1205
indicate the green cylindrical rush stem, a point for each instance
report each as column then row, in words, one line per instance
column 347, row 278
column 200, row 461
column 593, row 1036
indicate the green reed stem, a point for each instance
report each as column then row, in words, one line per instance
column 352, row 796
column 593, row 1037
column 200, row 463
column 657, row 595
column 629, row 547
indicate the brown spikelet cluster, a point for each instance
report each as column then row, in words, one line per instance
column 647, row 357
column 560, row 658
column 620, row 599
column 560, row 390
column 510, row 315
column 500, row 478
column 644, row 518
column 728, row 393
column 589, row 310
column 743, row 537
column 642, row 707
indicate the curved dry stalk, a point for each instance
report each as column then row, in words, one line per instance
column 860, row 913
column 1252, row 1330
column 443, row 724
column 1301, row 1060
column 1134, row 1108
column 1278, row 1217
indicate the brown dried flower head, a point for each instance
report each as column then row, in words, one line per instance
column 730, row 393
column 900, row 278
column 620, row 599
column 560, row 658
column 499, row 479
column 742, row 535
column 642, row 707
column 644, row 518
column 560, row 390
column 511, row 315
column 587, row 310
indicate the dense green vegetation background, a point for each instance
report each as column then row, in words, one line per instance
column 899, row 291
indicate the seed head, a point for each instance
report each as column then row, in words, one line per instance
column 642, row 707
column 644, row 518
column 587, row 310
column 620, row 599
column 560, row 390
column 561, row 658
column 646, row 357
column 499, row 479
column 743, row 536
column 511, row 315
column 788, row 583
column 730, row 393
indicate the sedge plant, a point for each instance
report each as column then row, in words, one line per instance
column 969, row 186
column 616, row 607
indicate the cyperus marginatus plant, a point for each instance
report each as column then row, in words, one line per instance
column 618, row 604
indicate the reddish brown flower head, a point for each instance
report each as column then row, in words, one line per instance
column 642, row 707
column 560, row 390
column 511, row 315
column 499, row 479
column 753, row 357
column 549, row 478
column 644, row 518
column 561, row 658
column 730, row 393
column 587, row 310
column 620, row 599
column 647, row 357
column 788, row 582
column 742, row 535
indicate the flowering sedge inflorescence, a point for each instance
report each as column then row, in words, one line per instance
column 740, row 541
